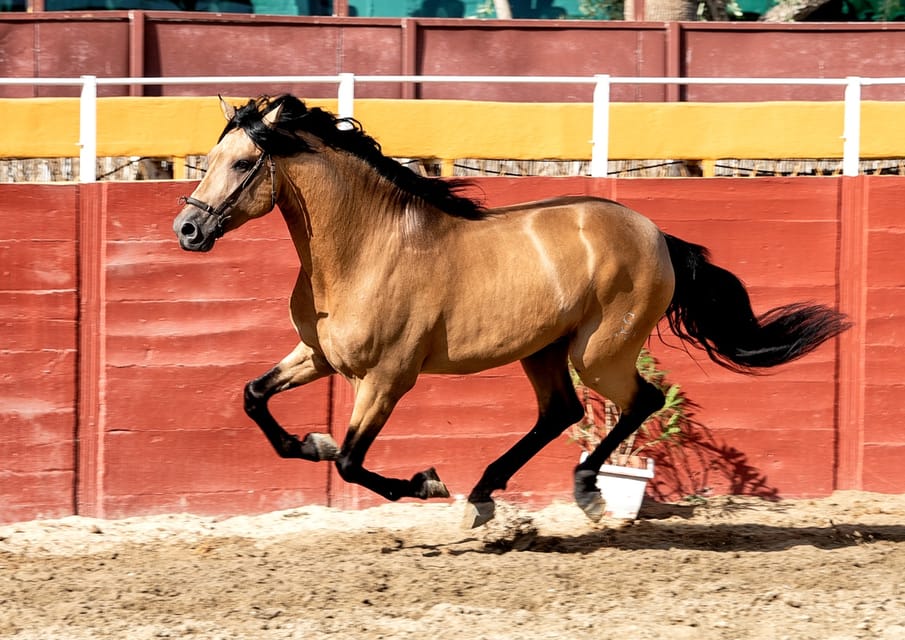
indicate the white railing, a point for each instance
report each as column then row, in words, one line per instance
column 602, row 84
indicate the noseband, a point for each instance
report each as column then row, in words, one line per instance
column 220, row 212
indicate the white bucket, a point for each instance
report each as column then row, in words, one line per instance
column 623, row 488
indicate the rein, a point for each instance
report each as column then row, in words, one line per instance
column 220, row 212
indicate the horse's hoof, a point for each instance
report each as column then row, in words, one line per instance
column 325, row 446
column 478, row 513
column 431, row 485
column 593, row 506
column 587, row 495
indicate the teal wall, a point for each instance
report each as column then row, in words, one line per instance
column 547, row 9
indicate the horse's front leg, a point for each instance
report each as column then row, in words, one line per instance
column 300, row 367
column 373, row 405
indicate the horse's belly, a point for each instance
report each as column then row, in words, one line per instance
column 477, row 341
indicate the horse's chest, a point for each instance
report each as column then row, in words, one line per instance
column 351, row 350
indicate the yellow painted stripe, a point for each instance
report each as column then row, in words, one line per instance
column 164, row 127
column 710, row 131
column 464, row 129
column 156, row 127
column 882, row 132
column 161, row 127
column 39, row 127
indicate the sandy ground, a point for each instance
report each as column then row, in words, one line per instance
column 732, row 568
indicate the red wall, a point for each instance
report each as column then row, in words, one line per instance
column 38, row 315
column 125, row 357
column 154, row 43
column 882, row 334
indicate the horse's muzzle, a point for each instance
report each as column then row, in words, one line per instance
column 196, row 230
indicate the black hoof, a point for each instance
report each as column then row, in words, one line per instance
column 587, row 495
column 478, row 513
column 319, row 446
column 427, row 484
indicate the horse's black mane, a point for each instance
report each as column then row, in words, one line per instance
column 346, row 134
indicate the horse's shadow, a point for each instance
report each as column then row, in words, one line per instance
column 660, row 535
column 722, row 537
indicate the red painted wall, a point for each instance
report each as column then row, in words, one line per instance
column 38, row 316
column 154, row 43
column 781, row 237
column 125, row 357
column 882, row 435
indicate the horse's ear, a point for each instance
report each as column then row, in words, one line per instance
column 271, row 117
column 228, row 110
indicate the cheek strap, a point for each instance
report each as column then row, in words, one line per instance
column 219, row 212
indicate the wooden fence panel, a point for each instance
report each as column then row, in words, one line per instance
column 159, row 43
column 124, row 362
column 38, row 377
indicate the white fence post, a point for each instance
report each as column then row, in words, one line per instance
column 88, row 130
column 346, row 95
column 600, row 127
column 851, row 131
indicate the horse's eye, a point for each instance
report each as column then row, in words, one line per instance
column 242, row 165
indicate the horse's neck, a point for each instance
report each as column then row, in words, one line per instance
column 338, row 212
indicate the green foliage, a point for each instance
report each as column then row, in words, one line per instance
column 601, row 9
column 486, row 10
column 874, row 10
column 665, row 427
column 846, row 10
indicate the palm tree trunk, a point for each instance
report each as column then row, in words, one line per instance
column 661, row 10
column 792, row 11
column 503, row 9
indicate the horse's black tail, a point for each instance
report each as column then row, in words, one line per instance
column 711, row 309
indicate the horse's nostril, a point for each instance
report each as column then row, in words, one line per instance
column 189, row 230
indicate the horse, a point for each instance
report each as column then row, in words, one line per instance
column 402, row 274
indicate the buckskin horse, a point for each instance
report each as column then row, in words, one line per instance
column 401, row 274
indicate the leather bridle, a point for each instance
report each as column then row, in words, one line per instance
column 220, row 212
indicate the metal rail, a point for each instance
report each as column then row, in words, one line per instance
column 602, row 84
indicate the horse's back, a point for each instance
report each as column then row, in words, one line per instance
column 532, row 274
column 605, row 234
column 623, row 251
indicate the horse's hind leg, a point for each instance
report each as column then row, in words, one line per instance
column 638, row 399
column 558, row 407
column 374, row 401
column 300, row 367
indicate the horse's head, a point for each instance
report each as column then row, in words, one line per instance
column 240, row 185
